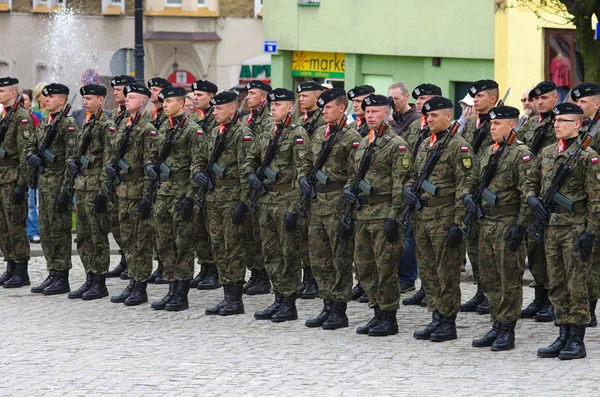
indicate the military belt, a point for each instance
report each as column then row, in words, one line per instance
column 380, row 198
column 277, row 188
column 505, row 209
column 329, row 188
column 227, row 182
column 57, row 164
column 93, row 171
column 182, row 176
column 436, row 202
column 9, row 163
column 139, row 173
column 577, row 205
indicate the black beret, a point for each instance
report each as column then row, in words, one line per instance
column 436, row 103
column 309, row 86
column 138, row 89
column 158, row 82
column 55, row 88
column 330, row 95
column 8, row 81
column 376, row 100
column 426, row 89
column 280, row 95
column 93, row 89
column 171, row 92
column 567, row 108
column 360, row 90
column 584, row 90
column 204, row 86
column 261, row 85
column 482, row 85
column 122, row 80
column 504, row 112
column 542, row 88
column 223, row 98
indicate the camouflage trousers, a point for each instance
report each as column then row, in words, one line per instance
column 254, row 257
column 303, row 250
column 501, row 270
column 376, row 262
column 473, row 250
column 226, row 240
column 536, row 256
column 114, row 224
column 594, row 278
column 137, row 236
column 92, row 233
column 202, row 244
column 55, row 232
column 568, row 275
column 280, row 249
column 14, row 242
column 438, row 269
column 175, row 239
column 330, row 257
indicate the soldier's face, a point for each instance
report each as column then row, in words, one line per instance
column 189, row 104
column 483, row 101
column 500, row 129
column 421, row 101
column 546, row 102
column 400, row 99
column 133, row 101
column 333, row 112
column 528, row 105
column 91, row 103
column 173, row 106
column 280, row 109
column 154, row 91
column 118, row 94
column 223, row 113
column 255, row 97
column 439, row 120
column 7, row 95
column 566, row 126
column 308, row 99
column 375, row 115
column 357, row 105
column 589, row 105
column 55, row 102
column 202, row 99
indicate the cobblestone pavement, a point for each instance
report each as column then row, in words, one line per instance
column 53, row 346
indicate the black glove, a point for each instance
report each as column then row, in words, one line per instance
column 391, row 230
column 410, row 198
column 18, row 195
column 515, row 234
column 289, row 221
column 62, row 203
column 470, row 204
column 34, row 160
column 201, row 178
column 349, row 196
column 239, row 213
column 537, row 207
column 254, row 182
column 584, row 245
column 73, row 167
column 144, row 206
column 186, row 208
column 152, row 172
column 455, row 236
column 305, row 186
column 100, row 202
column 111, row 170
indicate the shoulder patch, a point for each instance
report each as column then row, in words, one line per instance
column 299, row 141
column 405, row 162
column 152, row 133
column 526, row 158
column 247, row 138
column 355, row 144
column 464, row 148
column 71, row 129
column 594, row 160
column 112, row 129
column 24, row 121
column 402, row 148
column 467, row 163
column 199, row 132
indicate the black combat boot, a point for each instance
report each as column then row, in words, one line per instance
column 322, row 317
column 489, row 338
column 10, row 270
column 138, row 295
column 233, row 299
column 555, row 348
column 157, row 276
column 476, row 300
column 89, row 278
column 483, row 307
column 357, row 291
column 251, row 280
column 545, row 315
column 261, row 284
column 125, row 294
column 425, row 333
column 200, row 276
column 424, row 302
column 179, row 301
column 337, row 318
column 160, row 305
column 97, row 290
column 415, row 299
column 125, row 275
column 364, row 298
column 211, row 281
column 593, row 322
column 541, row 296
column 60, row 283
column 387, row 325
column 506, row 338
column 271, row 310
column 364, row 329
column 575, row 348
column 20, row 276
column 305, row 277
column 446, row 331
column 120, row 268
column 311, row 291
column 38, row 289
column 214, row 310
column 287, row 311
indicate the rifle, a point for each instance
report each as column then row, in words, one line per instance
column 270, row 153
column 483, row 129
column 424, row 133
column 156, row 122
column 206, row 119
column 311, row 127
column 482, row 191
column 120, row 115
column 212, row 167
column 44, row 153
column 5, row 123
column 316, row 174
column 258, row 112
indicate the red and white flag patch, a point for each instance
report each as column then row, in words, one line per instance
column 152, row 133
column 402, row 148
column 355, row 144
column 71, row 129
column 594, row 160
column 464, row 148
column 112, row 129
column 24, row 121
column 526, row 158
column 247, row 138
column 200, row 132
column 299, row 141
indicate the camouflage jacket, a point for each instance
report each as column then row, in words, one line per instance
column 206, row 124
column 161, row 120
column 118, row 115
column 309, row 121
column 20, row 130
column 388, row 173
column 262, row 122
column 526, row 131
column 416, row 133
column 582, row 184
column 471, row 130
column 550, row 136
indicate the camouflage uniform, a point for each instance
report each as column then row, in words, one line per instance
column 416, row 133
column 361, row 126
column 117, row 116
column 594, row 280
column 543, row 120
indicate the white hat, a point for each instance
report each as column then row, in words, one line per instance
column 467, row 100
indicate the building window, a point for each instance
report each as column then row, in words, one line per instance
column 113, row 7
column 258, row 4
column 173, row 3
column 48, row 3
column 5, row 5
column 201, row 3
column 562, row 60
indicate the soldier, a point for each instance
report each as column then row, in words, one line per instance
column 225, row 203
column 54, row 201
column 170, row 160
column 572, row 228
column 330, row 256
column 404, row 113
column 377, row 243
column 276, row 207
column 436, row 224
column 208, row 277
column 135, row 217
column 259, row 122
column 17, row 130
column 502, row 229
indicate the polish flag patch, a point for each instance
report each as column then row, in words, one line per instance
column 112, row 129
column 247, row 138
column 299, row 141
column 24, row 121
column 402, row 148
column 526, row 158
column 355, row 144
column 200, row 132
column 152, row 133
column 464, row 148
column 71, row 129
column 594, row 160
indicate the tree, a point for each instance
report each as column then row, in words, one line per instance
column 579, row 13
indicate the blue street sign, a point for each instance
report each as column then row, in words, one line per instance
column 270, row 46
column 597, row 34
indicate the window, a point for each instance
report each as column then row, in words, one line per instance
column 258, row 4
column 48, row 3
column 562, row 60
column 113, row 7
column 5, row 5
column 201, row 3
column 173, row 3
